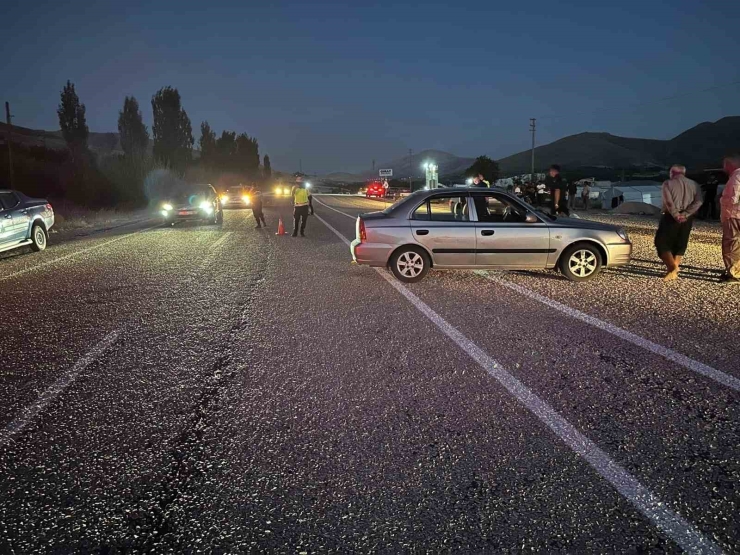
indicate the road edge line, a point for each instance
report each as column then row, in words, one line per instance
column 76, row 253
column 30, row 412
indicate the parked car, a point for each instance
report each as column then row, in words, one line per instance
column 199, row 203
column 475, row 228
column 24, row 221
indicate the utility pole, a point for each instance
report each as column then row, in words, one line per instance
column 411, row 187
column 532, row 127
column 373, row 166
column 300, row 165
column 9, row 139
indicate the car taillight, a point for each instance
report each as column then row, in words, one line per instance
column 363, row 233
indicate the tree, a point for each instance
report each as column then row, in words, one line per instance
column 207, row 143
column 134, row 134
column 226, row 151
column 247, row 152
column 171, row 130
column 267, row 167
column 486, row 166
column 72, row 122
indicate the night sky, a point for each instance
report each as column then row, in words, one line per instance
column 337, row 84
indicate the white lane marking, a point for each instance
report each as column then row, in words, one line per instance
column 673, row 356
column 685, row 534
column 335, row 210
column 665, row 352
column 28, row 414
column 213, row 251
column 76, row 253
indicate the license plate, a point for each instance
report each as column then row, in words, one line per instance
column 185, row 212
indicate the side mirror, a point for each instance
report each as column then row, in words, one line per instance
column 531, row 218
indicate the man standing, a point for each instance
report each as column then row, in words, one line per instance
column 572, row 190
column 681, row 200
column 301, row 204
column 709, row 208
column 730, row 216
column 483, row 182
column 255, row 201
column 555, row 184
column 586, row 196
column 478, row 181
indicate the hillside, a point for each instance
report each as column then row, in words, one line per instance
column 449, row 164
column 700, row 147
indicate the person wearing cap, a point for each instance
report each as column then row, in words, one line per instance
column 301, row 206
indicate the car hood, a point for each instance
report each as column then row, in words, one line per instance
column 583, row 224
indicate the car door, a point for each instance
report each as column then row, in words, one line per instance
column 442, row 225
column 15, row 217
column 503, row 235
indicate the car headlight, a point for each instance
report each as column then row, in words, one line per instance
column 278, row 190
column 286, row 191
column 206, row 207
column 166, row 207
column 224, row 198
column 623, row 234
column 245, row 198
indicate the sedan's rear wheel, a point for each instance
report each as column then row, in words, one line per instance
column 38, row 238
column 410, row 264
column 580, row 262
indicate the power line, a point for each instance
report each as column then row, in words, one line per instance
column 639, row 104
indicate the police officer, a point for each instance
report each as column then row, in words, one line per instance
column 301, row 206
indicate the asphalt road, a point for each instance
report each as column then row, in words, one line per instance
column 203, row 389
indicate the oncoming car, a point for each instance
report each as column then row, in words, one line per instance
column 198, row 203
column 281, row 191
column 24, row 221
column 472, row 228
column 236, row 197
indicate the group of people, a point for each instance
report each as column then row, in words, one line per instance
column 302, row 207
column 682, row 200
column 563, row 194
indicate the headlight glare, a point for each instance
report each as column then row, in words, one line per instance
column 167, row 206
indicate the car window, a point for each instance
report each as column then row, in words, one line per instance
column 497, row 209
column 449, row 208
column 422, row 212
column 8, row 200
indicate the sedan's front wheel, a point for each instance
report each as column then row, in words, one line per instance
column 410, row 264
column 580, row 262
column 38, row 238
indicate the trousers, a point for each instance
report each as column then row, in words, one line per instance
column 731, row 246
column 300, row 215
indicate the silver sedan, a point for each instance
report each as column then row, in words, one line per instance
column 473, row 228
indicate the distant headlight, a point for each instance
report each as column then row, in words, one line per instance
column 623, row 234
column 278, row 190
column 245, row 198
column 167, row 207
column 224, row 198
column 286, row 191
column 206, row 207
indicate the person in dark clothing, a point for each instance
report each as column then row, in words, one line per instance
column 709, row 207
column 557, row 187
column 255, row 200
column 572, row 189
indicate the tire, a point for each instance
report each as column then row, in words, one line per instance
column 580, row 262
column 38, row 237
column 410, row 264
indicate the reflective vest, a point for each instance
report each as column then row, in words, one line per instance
column 300, row 197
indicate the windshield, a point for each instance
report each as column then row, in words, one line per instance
column 193, row 197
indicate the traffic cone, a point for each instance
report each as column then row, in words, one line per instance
column 281, row 227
